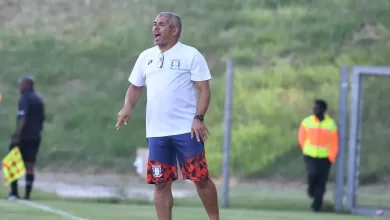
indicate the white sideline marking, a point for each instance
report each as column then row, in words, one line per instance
column 55, row 211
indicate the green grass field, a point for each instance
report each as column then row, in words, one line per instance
column 19, row 211
column 249, row 201
column 248, row 197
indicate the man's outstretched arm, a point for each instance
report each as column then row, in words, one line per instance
column 133, row 94
column 137, row 82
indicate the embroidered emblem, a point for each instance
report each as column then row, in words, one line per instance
column 175, row 64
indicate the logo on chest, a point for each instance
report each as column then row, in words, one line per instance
column 175, row 64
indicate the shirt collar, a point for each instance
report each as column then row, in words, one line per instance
column 326, row 116
column 170, row 49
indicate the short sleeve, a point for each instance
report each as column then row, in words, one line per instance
column 137, row 77
column 23, row 107
column 199, row 68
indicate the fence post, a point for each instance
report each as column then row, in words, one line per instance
column 342, row 126
column 227, row 134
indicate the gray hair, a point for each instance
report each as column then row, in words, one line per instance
column 174, row 20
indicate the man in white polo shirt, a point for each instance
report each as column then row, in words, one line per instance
column 175, row 129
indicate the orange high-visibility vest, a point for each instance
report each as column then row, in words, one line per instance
column 319, row 139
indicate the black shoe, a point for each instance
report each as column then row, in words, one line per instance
column 27, row 198
column 316, row 205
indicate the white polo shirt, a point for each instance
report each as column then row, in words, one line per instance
column 171, row 92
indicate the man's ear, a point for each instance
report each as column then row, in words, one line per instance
column 175, row 31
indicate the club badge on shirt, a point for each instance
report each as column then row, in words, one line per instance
column 175, row 64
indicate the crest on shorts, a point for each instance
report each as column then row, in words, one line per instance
column 157, row 171
column 175, row 64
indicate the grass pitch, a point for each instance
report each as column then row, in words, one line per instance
column 13, row 210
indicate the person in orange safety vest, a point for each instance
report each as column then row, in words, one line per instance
column 318, row 138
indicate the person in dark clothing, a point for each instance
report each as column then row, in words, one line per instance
column 318, row 138
column 30, row 118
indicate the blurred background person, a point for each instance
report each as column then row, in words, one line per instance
column 30, row 118
column 318, row 138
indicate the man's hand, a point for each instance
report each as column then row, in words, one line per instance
column 123, row 116
column 199, row 130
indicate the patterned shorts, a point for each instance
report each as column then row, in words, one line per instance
column 165, row 152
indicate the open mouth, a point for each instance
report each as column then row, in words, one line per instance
column 157, row 36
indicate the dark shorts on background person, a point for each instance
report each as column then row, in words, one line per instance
column 162, row 163
column 29, row 150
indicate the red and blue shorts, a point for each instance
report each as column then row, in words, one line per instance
column 166, row 152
